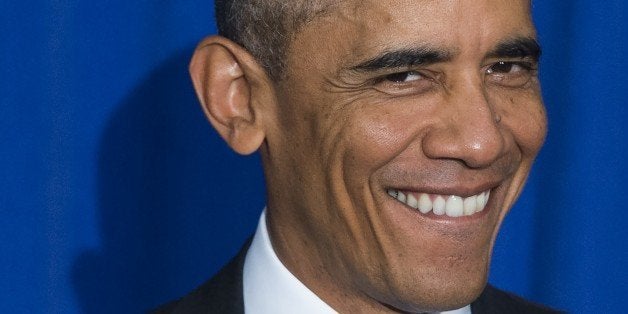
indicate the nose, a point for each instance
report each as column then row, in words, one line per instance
column 468, row 129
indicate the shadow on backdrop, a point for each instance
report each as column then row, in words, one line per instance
column 174, row 202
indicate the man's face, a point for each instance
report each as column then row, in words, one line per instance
column 396, row 120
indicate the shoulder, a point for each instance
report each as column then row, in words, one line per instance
column 493, row 300
column 221, row 294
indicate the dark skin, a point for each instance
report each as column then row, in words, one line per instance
column 437, row 97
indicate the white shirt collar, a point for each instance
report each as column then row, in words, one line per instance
column 270, row 288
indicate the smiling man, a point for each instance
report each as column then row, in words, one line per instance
column 395, row 136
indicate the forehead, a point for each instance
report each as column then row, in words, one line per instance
column 431, row 15
column 358, row 28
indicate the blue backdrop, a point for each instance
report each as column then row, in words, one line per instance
column 116, row 195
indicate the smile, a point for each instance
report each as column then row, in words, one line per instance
column 449, row 205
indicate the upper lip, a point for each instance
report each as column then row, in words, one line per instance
column 461, row 190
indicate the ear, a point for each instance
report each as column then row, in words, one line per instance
column 233, row 89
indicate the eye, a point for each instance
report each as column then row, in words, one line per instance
column 509, row 67
column 511, row 74
column 403, row 77
column 404, row 83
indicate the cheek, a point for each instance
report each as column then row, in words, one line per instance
column 523, row 114
column 373, row 136
column 531, row 129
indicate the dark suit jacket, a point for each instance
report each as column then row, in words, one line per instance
column 223, row 294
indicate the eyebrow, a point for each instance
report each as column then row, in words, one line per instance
column 404, row 58
column 518, row 47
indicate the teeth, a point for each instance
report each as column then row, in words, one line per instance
column 412, row 202
column 439, row 206
column 425, row 204
column 481, row 200
column 450, row 205
column 470, row 204
column 401, row 197
column 454, row 206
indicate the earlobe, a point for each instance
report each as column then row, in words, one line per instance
column 222, row 74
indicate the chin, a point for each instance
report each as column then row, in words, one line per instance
column 416, row 263
column 433, row 263
column 453, row 289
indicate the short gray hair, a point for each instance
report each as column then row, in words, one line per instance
column 266, row 27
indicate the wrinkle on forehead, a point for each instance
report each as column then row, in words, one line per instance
column 356, row 30
column 369, row 12
column 432, row 19
column 354, row 11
